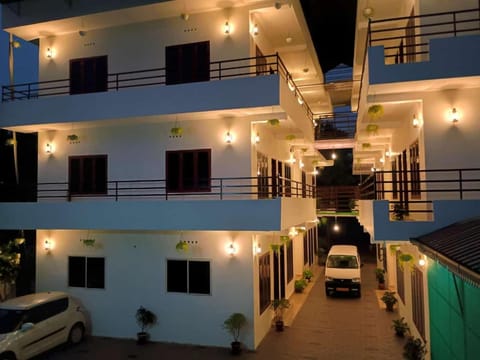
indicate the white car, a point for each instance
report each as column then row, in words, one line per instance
column 342, row 270
column 32, row 324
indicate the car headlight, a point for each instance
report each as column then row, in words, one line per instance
column 356, row 280
column 328, row 278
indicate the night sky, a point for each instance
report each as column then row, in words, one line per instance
column 332, row 28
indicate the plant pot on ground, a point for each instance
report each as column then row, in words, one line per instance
column 279, row 306
column 145, row 319
column 233, row 324
column 300, row 285
column 400, row 326
column 380, row 275
column 307, row 275
column 389, row 299
column 414, row 349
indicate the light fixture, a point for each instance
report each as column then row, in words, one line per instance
column 299, row 99
column 290, row 83
column 258, row 249
column 382, row 160
column 185, row 16
column 228, row 137
column 49, row 52
column 415, row 121
column 227, row 28
column 257, row 138
column 292, row 232
column 373, row 169
column 232, row 249
column 388, row 154
column 368, row 12
column 334, row 156
column 315, row 171
column 255, row 30
column 288, row 39
column 48, row 245
column 336, row 227
column 49, row 148
column 422, row 261
column 454, row 116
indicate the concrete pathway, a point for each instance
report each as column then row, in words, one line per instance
column 318, row 327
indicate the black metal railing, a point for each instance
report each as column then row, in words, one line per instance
column 337, row 198
column 212, row 189
column 414, row 191
column 406, row 43
column 341, row 125
column 219, row 70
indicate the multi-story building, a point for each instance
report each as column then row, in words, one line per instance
column 417, row 90
column 175, row 152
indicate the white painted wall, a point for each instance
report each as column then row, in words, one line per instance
column 135, row 274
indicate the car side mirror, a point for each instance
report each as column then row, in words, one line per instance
column 27, row 326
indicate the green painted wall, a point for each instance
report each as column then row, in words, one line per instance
column 454, row 316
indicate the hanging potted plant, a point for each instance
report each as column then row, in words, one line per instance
column 176, row 131
column 290, row 137
column 372, row 129
column 375, row 111
column 274, row 122
column 182, row 246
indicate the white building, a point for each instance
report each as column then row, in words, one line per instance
column 163, row 123
column 417, row 90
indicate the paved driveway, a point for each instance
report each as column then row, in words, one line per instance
column 324, row 328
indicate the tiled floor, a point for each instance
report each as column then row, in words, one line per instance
column 317, row 328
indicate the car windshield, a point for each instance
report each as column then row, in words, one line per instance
column 10, row 320
column 342, row 261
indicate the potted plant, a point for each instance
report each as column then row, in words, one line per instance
column 279, row 306
column 380, row 275
column 300, row 285
column 307, row 274
column 389, row 299
column 375, row 111
column 400, row 326
column 176, row 131
column 414, row 349
column 182, row 245
column 399, row 212
column 145, row 319
column 233, row 325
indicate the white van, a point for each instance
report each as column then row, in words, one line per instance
column 342, row 270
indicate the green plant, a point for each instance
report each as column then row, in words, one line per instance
column 375, row 111
column 279, row 306
column 300, row 285
column 275, row 247
column 400, row 326
column 274, row 122
column 145, row 318
column 9, row 262
column 307, row 274
column 233, row 324
column 372, row 129
column 182, row 245
column 290, row 137
column 399, row 212
column 380, row 275
column 88, row 242
column 414, row 349
column 176, row 131
column 389, row 299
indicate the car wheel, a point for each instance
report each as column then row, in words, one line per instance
column 76, row 334
column 7, row 356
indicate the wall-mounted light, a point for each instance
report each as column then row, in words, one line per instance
column 422, row 261
column 256, row 138
column 227, row 28
column 292, row 232
column 333, row 156
column 290, row 83
column 48, row 245
column 228, row 137
column 255, row 30
column 336, row 227
column 232, row 249
column 299, row 99
column 50, row 53
column 301, row 164
column 454, row 116
column 315, row 171
column 415, row 121
column 49, row 148
column 257, row 249
column 382, row 160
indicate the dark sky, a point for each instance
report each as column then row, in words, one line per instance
column 332, row 27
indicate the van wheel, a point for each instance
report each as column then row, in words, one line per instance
column 8, row 356
column 76, row 334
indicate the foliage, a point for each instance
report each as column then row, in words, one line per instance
column 389, row 299
column 290, row 137
column 300, row 285
column 372, row 129
column 234, row 324
column 279, row 305
column 375, row 111
column 275, row 247
column 399, row 212
column 145, row 318
column 307, row 274
column 414, row 349
column 380, row 275
column 400, row 326
column 182, row 245
column 176, row 131
column 10, row 261
column 274, row 122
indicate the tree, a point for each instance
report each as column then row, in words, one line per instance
column 9, row 265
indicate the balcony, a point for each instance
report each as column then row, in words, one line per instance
column 335, row 130
column 246, row 203
column 253, row 82
column 398, row 205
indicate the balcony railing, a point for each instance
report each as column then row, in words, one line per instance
column 414, row 191
column 236, row 188
column 340, row 125
column 337, row 199
column 410, row 43
column 219, row 70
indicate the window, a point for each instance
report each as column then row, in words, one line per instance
column 289, row 261
column 188, row 170
column 417, row 301
column 305, row 248
column 415, row 170
column 260, row 62
column 89, row 75
column 188, row 276
column 87, row 174
column 45, row 311
column 264, row 281
column 187, row 63
column 400, row 278
column 288, row 182
column 304, row 184
column 86, row 272
column 394, row 180
column 262, row 176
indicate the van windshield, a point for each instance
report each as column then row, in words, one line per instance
column 342, row 261
column 10, row 320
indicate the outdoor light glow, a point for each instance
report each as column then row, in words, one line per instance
column 227, row 28
column 454, row 115
column 49, row 148
column 257, row 138
column 422, row 262
column 334, row 156
column 415, row 121
column 48, row 245
column 336, row 227
column 232, row 249
column 255, row 30
column 228, row 138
